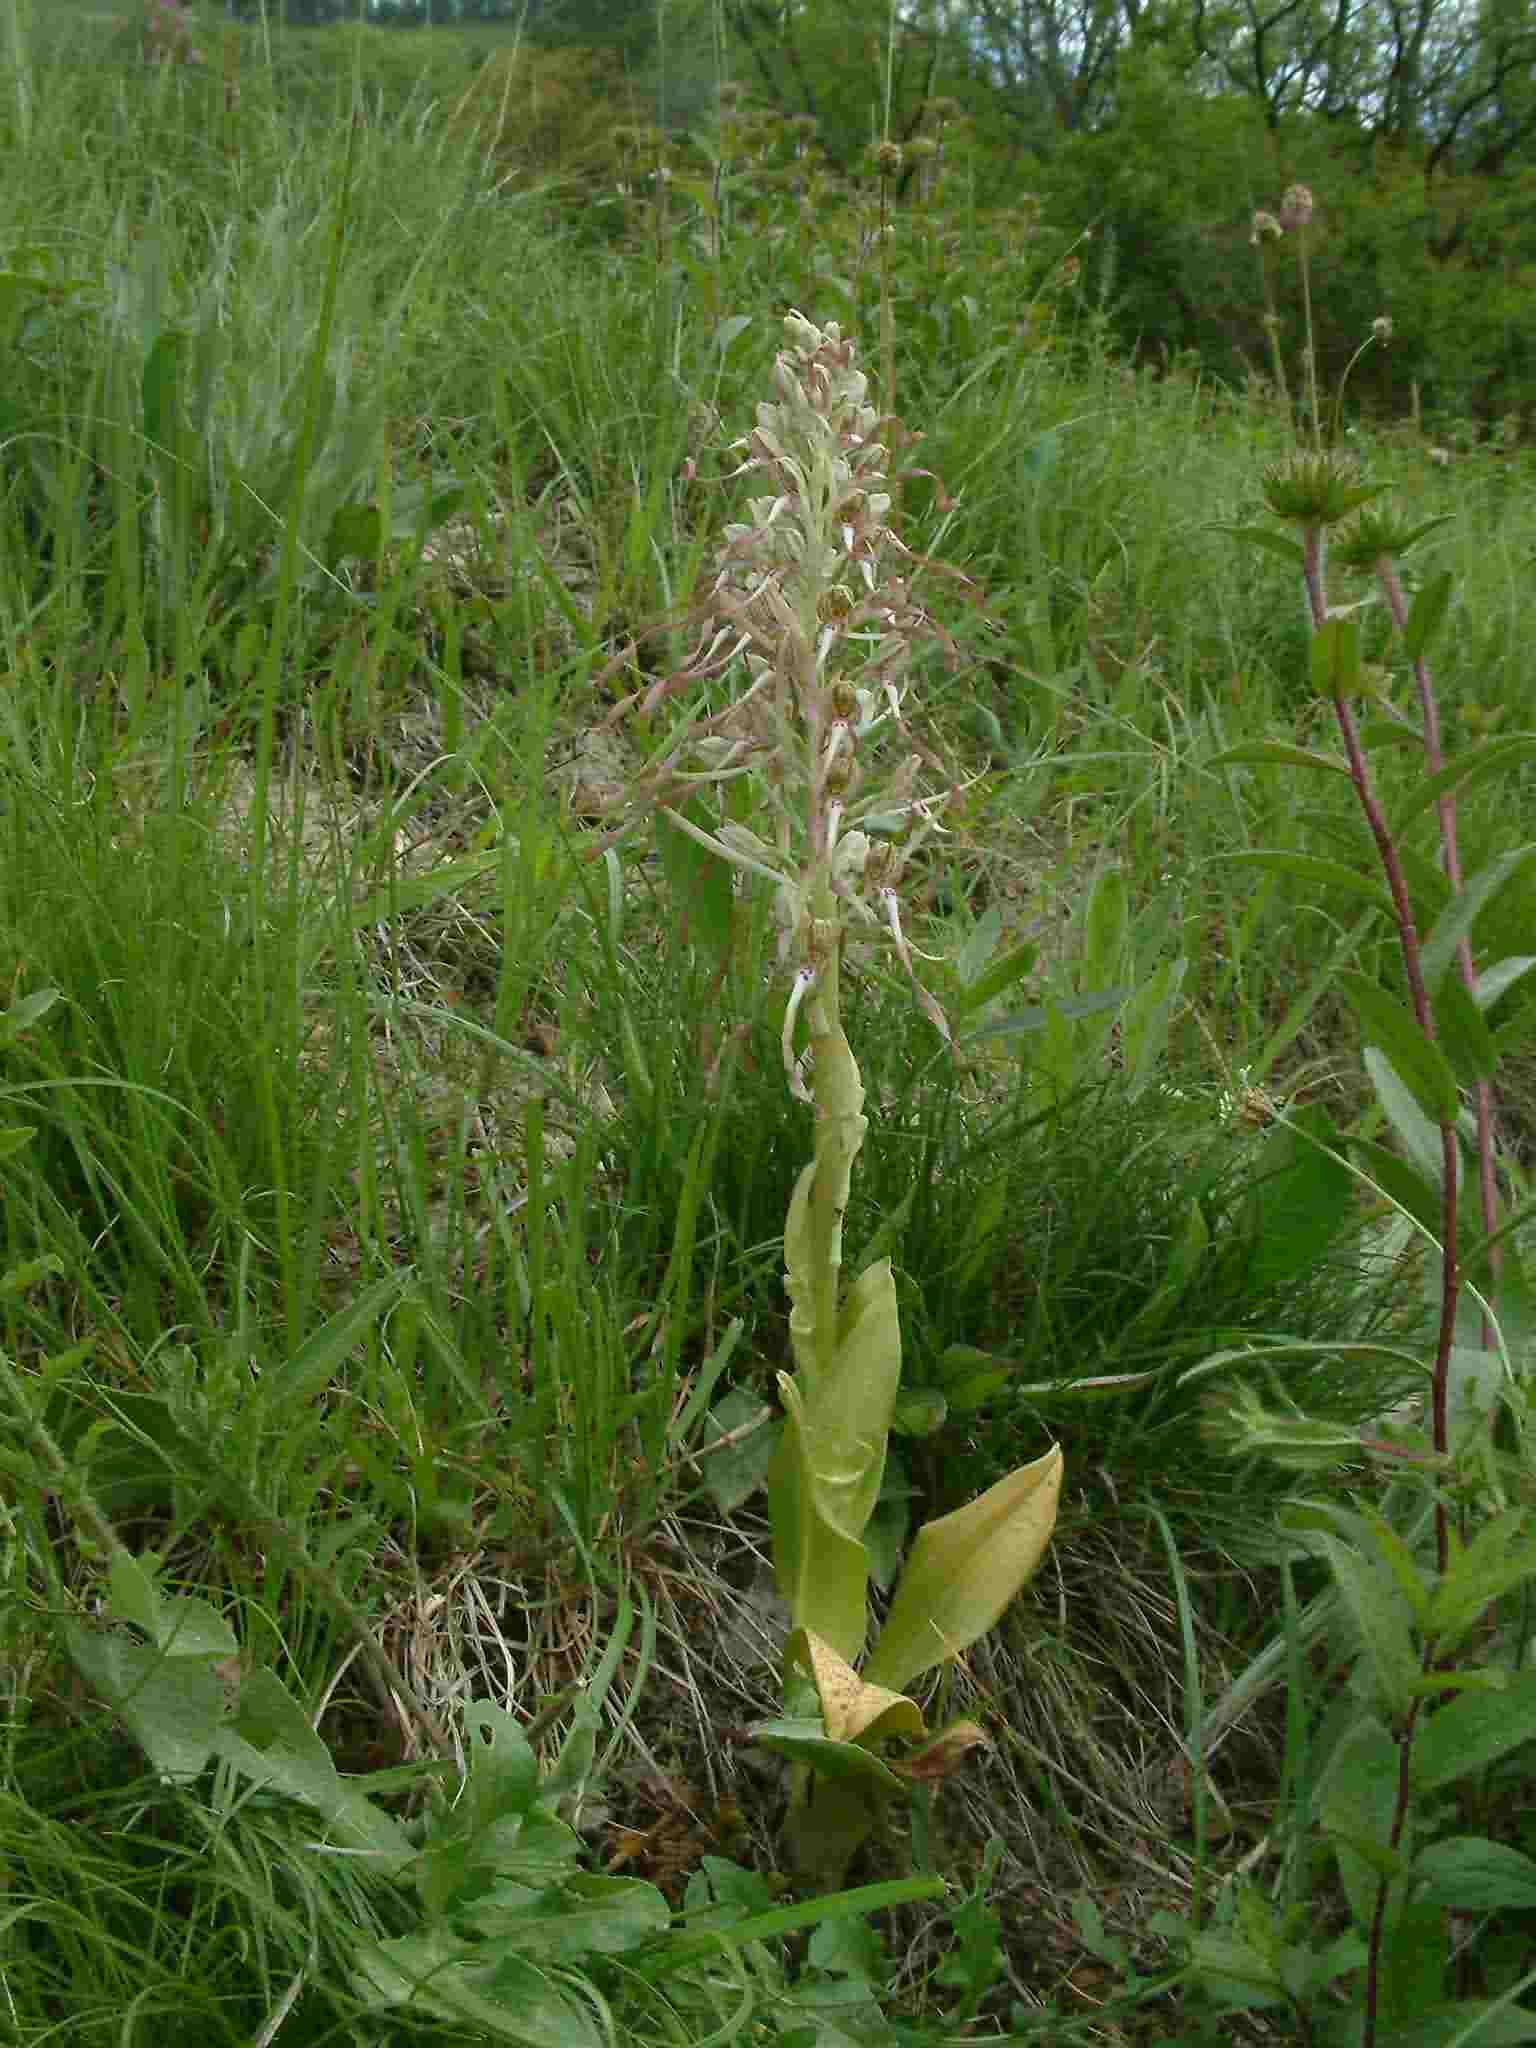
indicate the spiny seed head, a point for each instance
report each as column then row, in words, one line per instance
column 886, row 157
column 1316, row 490
column 1379, row 531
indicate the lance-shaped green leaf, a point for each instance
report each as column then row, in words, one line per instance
column 964, row 1570
column 824, row 1482
column 813, row 1232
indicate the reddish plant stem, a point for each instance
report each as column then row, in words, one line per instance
column 1314, row 569
column 1434, row 760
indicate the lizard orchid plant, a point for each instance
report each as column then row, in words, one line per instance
column 811, row 622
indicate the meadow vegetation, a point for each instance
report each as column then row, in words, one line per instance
column 401, row 1111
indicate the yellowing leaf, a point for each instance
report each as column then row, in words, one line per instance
column 850, row 1708
column 964, row 1570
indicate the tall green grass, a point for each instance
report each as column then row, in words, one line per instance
column 405, row 1213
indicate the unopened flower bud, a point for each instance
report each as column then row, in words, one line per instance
column 845, row 700
column 839, row 775
column 880, row 864
column 1296, row 207
column 834, row 604
column 1265, row 224
column 1381, row 327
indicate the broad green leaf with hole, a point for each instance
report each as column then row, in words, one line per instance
column 964, row 1571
